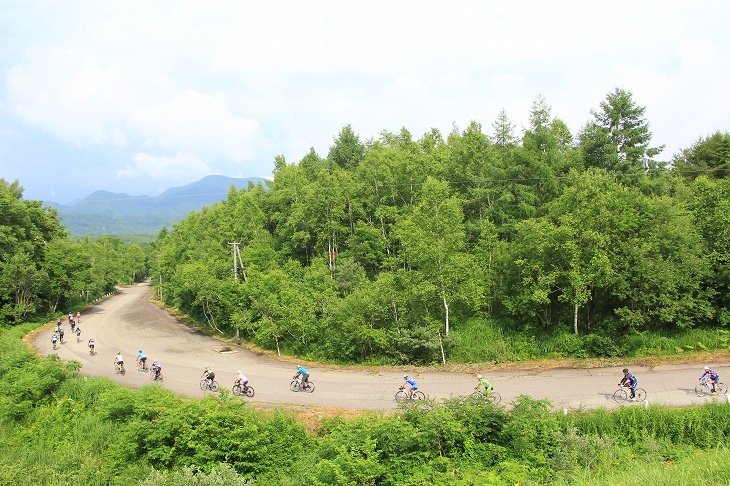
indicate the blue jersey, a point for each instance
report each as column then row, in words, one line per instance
column 302, row 371
column 411, row 382
column 141, row 356
column 631, row 379
column 711, row 375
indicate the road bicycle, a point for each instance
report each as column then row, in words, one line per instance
column 402, row 395
column 622, row 394
column 206, row 384
column 142, row 366
column 119, row 368
column 705, row 388
column 481, row 396
column 297, row 385
column 155, row 376
column 242, row 390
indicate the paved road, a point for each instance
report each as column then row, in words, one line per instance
column 128, row 322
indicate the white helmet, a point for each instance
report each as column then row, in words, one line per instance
column 479, row 377
column 405, row 376
column 239, row 372
column 707, row 368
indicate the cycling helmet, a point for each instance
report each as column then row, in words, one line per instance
column 119, row 352
column 479, row 377
column 626, row 370
column 239, row 372
column 405, row 376
column 207, row 368
column 140, row 350
column 707, row 368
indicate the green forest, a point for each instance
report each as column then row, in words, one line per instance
column 44, row 271
column 506, row 247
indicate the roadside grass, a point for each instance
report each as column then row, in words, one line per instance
column 698, row 468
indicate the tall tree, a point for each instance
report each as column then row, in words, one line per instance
column 618, row 137
column 348, row 151
column 504, row 130
column 434, row 241
column 707, row 155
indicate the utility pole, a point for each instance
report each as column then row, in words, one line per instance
column 236, row 261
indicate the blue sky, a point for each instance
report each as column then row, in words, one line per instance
column 139, row 96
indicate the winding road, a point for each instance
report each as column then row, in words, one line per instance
column 128, row 322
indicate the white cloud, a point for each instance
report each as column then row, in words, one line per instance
column 66, row 94
column 200, row 123
column 182, row 168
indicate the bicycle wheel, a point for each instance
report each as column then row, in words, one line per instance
column 620, row 395
column 249, row 391
column 478, row 396
column 294, row 386
column 701, row 389
column 495, row 398
column 203, row 384
column 640, row 394
column 418, row 395
column 214, row 386
column 722, row 388
column 401, row 396
column 309, row 388
column 153, row 376
column 236, row 390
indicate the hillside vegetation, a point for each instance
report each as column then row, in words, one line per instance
column 507, row 248
column 44, row 271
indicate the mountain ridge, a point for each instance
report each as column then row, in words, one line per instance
column 105, row 212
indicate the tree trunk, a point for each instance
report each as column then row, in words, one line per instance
column 446, row 306
column 575, row 319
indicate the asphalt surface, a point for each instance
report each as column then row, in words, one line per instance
column 127, row 322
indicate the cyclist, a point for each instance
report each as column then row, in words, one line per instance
column 157, row 369
column 241, row 380
column 119, row 361
column 91, row 347
column 483, row 382
column 78, row 334
column 141, row 359
column 58, row 324
column 630, row 381
column 712, row 377
column 301, row 371
column 208, row 375
column 412, row 385
column 70, row 316
column 73, row 325
column 78, row 317
column 54, row 339
column 60, row 334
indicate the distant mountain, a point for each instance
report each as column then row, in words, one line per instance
column 106, row 212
